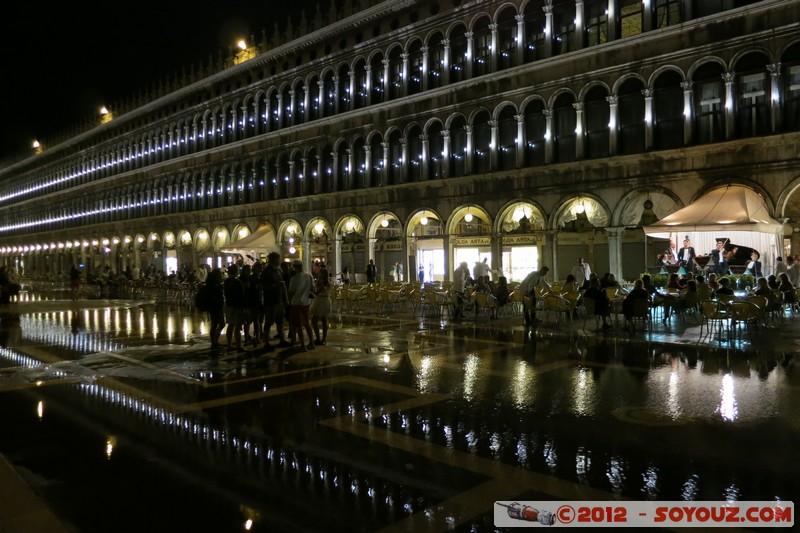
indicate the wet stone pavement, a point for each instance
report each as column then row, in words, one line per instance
column 117, row 416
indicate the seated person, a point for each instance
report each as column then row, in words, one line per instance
column 762, row 289
column 637, row 293
column 602, row 303
column 773, row 283
column 501, row 291
column 569, row 284
column 787, row 288
column 754, row 265
column 674, row 282
column 724, row 288
column 712, row 281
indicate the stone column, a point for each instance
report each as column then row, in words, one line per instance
column 613, row 124
column 404, row 166
column 548, row 136
column 426, row 158
column 368, row 88
column 615, row 250
column 321, row 99
column 688, row 112
column 775, row 96
column 292, row 108
column 280, row 118
column 336, row 95
column 580, row 127
column 384, row 175
column 470, row 154
column 445, row 171
column 520, row 48
column 730, row 118
column 470, row 55
column 493, row 54
column 367, row 181
column 551, row 243
column 579, row 25
column 352, row 98
column 548, row 31
column 648, row 118
column 521, row 140
column 404, row 81
column 613, row 30
column 425, row 68
column 493, row 145
column 446, row 66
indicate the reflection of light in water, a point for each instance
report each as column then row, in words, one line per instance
column 448, row 436
column 616, row 474
column 107, row 320
column 40, row 409
column 732, row 493
column 550, row 455
column 470, row 375
column 522, row 385
column 583, row 392
column 203, row 327
column 672, row 396
column 650, row 481
column 424, row 374
column 142, row 324
column 689, row 488
column 472, row 441
column 186, row 328
column 494, row 444
column 248, row 524
column 111, row 443
column 155, row 327
column 170, row 327
column 522, row 451
column 117, row 320
column 727, row 407
column 583, row 463
column 129, row 323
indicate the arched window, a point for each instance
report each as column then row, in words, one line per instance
column 631, row 117
column 359, row 170
column 597, row 115
column 343, row 89
column 458, row 147
column 458, row 55
column 436, row 61
column 668, row 13
column 668, row 111
column 507, row 139
column 709, row 101
column 481, row 48
column 394, row 174
column 360, row 84
column 415, row 170
column 790, row 89
column 395, row 81
column 534, row 32
column 564, row 124
column 752, row 90
column 329, row 94
column 435, row 151
column 563, row 26
column 507, row 39
column 378, row 83
column 415, row 68
column 314, row 111
column 596, row 22
column 482, row 143
column 376, row 161
column 535, row 131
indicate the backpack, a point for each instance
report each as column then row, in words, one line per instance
column 202, row 300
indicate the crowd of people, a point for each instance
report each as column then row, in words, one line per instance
column 246, row 301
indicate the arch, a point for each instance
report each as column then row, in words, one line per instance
column 512, row 212
column 459, row 213
column 628, row 212
column 597, row 212
column 377, row 221
column 415, row 218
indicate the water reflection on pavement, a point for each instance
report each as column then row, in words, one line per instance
column 397, row 423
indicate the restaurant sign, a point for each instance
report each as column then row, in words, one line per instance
column 472, row 241
column 518, row 239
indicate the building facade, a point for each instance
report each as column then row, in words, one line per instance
column 427, row 133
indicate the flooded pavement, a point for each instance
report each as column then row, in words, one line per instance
column 118, row 416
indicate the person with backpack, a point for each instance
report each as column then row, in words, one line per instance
column 275, row 298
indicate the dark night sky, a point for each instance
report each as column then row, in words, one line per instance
column 62, row 60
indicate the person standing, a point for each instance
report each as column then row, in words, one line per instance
column 74, row 281
column 780, row 266
column 372, row 272
column 528, row 288
column 321, row 307
column 754, row 265
column 686, row 256
column 216, row 306
column 300, row 294
column 718, row 256
column 581, row 272
column 460, row 277
column 274, row 293
column 398, row 269
column 421, row 274
column 482, row 269
column 235, row 308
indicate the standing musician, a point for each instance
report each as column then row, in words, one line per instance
column 686, row 256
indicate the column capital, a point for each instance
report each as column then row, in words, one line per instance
column 686, row 85
column 612, row 100
column 729, row 77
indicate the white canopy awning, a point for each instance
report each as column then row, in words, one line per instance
column 252, row 247
column 735, row 213
column 731, row 208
